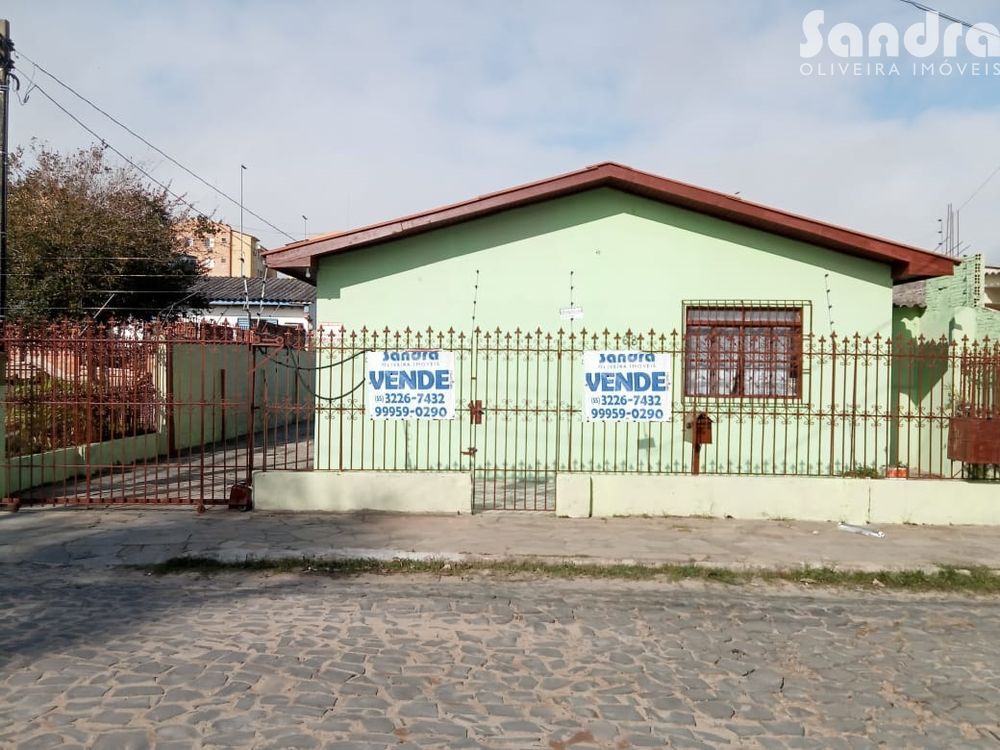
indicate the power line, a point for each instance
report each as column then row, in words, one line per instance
column 947, row 17
column 966, row 24
column 130, row 308
column 90, row 273
column 162, row 153
column 188, row 291
column 121, row 257
column 979, row 189
column 135, row 166
column 329, row 365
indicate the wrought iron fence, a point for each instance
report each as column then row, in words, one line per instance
column 186, row 411
column 72, row 384
column 831, row 406
column 148, row 412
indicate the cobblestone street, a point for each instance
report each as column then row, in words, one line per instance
column 118, row 659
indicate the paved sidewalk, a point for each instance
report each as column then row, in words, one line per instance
column 116, row 536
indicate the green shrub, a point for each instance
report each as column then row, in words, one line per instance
column 862, row 472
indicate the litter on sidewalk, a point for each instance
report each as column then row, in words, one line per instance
column 864, row 530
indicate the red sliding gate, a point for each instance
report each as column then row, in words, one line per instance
column 151, row 413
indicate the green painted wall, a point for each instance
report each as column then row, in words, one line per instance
column 24, row 472
column 634, row 262
column 955, row 308
column 955, row 317
column 210, row 386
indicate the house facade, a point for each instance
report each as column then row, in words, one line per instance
column 773, row 326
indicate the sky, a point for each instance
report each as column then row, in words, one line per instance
column 354, row 112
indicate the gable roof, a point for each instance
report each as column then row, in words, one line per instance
column 907, row 263
column 230, row 290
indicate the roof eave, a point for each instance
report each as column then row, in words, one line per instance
column 306, row 272
column 907, row 263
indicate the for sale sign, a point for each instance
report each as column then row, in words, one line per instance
column 414, row 384
column 626, row 386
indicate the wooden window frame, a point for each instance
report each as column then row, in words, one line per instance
column 744, row 337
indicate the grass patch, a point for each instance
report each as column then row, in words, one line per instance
column 972, row 580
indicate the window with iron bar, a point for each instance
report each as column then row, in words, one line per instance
column 743, row 349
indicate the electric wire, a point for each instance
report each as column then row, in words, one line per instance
column 299, row 369
column 979, row 189
column 311, row 392
column 971, row 26
column 150, row 177
column 966, row 24
column 158, row 150
column 327, row 366
column 107, row 145
column 947, row 17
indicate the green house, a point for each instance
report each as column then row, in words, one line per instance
column 775, row 327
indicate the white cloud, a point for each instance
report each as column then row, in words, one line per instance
column 354, row 112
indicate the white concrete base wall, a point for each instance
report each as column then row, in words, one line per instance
column 805, row 499
column 935, row 502
column 407, row 492
column 573, row 495
column 859, row 501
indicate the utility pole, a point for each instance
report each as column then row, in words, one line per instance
column 6, row 65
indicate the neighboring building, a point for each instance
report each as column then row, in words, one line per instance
column 944, row 342
column 237, row 301
column 953, row 308
column 225, row 252
column 992, row 287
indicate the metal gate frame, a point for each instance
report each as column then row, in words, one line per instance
column 148, row 414
column 496, row 419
